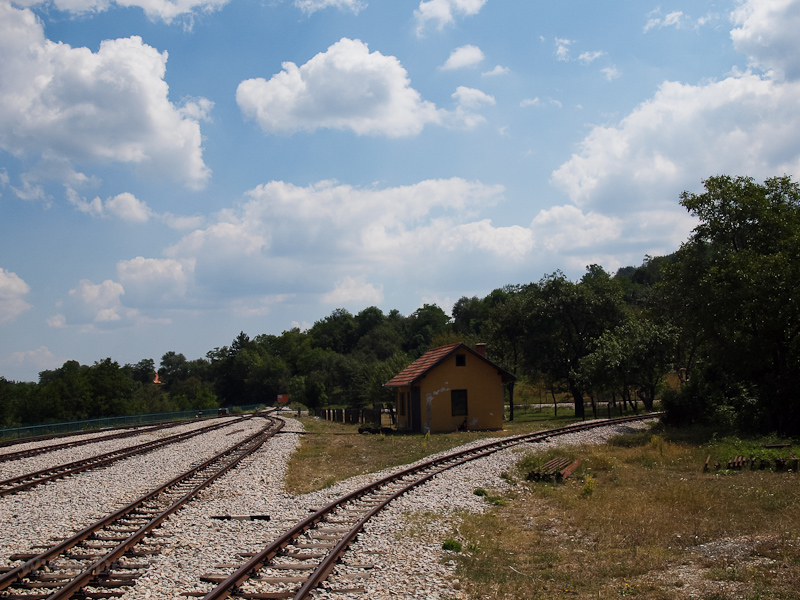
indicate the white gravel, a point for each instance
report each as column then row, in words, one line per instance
column 56, row 509
column 22, row 466
column 192, row 543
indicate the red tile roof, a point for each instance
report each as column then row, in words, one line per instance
column 416, row 370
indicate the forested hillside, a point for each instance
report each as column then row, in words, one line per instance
column 722, row 313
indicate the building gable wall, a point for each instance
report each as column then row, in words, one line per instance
column 484, row 395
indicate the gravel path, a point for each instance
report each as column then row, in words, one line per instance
column 193, row 543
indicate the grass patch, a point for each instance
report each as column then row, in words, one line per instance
column 638, row 518
column 331, row 452
column 634, row 515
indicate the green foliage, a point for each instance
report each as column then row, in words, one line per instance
column 451, row 545
column 733, row 287
column 564, row 321
column 496, row 500
column 633, row 355
column 589, row 486
column 723, row 312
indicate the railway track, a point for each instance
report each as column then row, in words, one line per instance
column 27, row 481
column 100, row 559
column 54, row 436
column 129, row 432
column 305, row 556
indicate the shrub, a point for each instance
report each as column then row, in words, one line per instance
column 589, row 485
column 451, row 545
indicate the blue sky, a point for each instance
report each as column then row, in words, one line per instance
column 173, row 172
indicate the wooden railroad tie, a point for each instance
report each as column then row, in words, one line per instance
column 557, row 469
column 739, row 462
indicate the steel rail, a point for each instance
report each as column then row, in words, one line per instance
column 240, row 450
column 234, row 581
column 53, row 436
column 29, row 480
column 9, row 456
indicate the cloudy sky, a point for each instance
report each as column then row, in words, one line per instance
column 173, row 172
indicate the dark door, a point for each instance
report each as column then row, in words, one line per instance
column 416, row 413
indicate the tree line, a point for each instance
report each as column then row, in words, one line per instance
column 721, row 315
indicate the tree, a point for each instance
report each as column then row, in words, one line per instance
column 469, row 315
column 733, row 289
column 174, row 368
column 636, row 354
column 565, row 320
column 506, row 332
column 337, row 332
column 423, row 324
column 144, row 371
column 112, row 389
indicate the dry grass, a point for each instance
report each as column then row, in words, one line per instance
column 331, row 452
column 639, row 521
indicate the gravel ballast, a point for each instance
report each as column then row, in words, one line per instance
column 192, row 543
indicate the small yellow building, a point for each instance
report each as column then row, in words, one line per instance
column 448, row 388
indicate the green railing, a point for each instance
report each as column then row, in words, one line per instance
column 14, row 433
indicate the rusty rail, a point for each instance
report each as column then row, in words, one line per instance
column 130, row 432
column 20, row 483
column 420, row 473
column 105, row 563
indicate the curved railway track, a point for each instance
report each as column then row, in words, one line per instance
column 27, row 481
column 304, row 557
column 99, row 559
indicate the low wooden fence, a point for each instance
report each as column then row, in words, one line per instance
column 352, row 416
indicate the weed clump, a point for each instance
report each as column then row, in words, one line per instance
column 589, row 485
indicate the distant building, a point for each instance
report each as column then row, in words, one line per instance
column 448, row 388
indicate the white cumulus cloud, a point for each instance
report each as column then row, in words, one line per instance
column 563, row 227
column 611, row 73
column 741, row 125
column 353, row 290
column 744, row 124
column 154, row 280
column 469, row 102
column 465, row 56
column 71, row 106
column 37, row 360
column 101, row 300
column 767, row 31
column 540, row 102
column 590, row 56
column 345, row 87
column 312, row 6
column 656, row 21
column 562, row 48
column 514, row 242
column 164, row 10
column 498, row 70
column 444, row 12
column 128, row 208
column 12, row 291
column 124, row 206
column 311, row 239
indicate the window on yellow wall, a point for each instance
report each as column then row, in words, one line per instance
column 461, row 360
column 458, row 403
